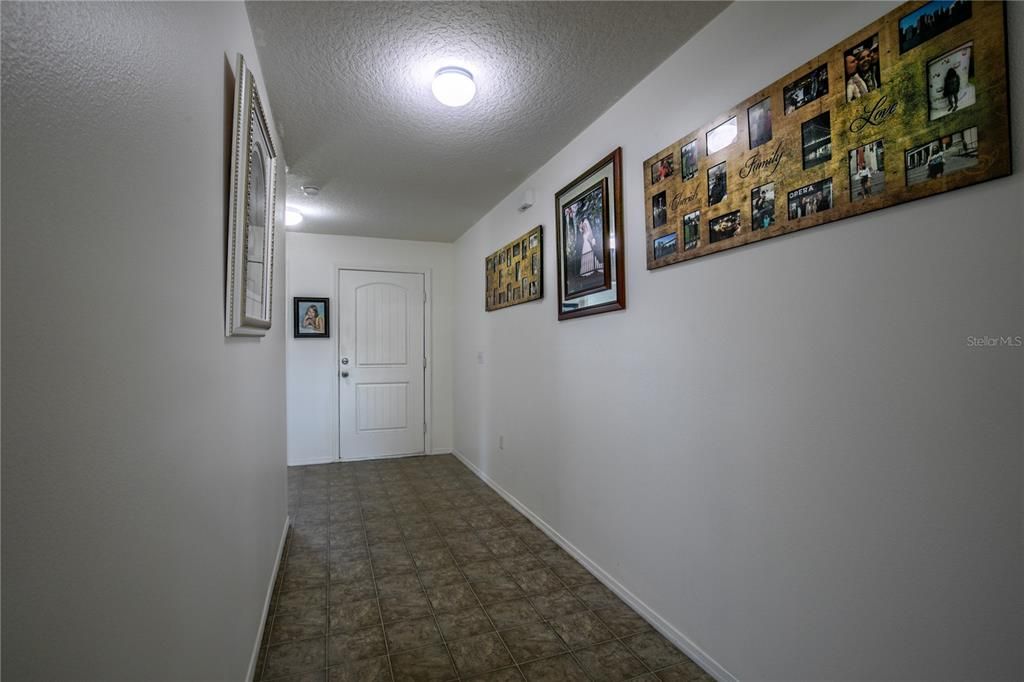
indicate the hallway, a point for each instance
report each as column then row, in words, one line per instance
column 414, row 569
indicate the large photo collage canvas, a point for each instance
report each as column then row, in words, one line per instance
column 913, row 105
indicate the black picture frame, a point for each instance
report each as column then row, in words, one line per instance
column 757, row 132
column 300, row 309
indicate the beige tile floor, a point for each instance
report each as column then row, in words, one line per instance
column 413, row 569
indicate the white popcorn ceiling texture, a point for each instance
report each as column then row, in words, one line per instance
column 349, row 86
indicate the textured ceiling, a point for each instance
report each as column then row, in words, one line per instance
column 349, row 85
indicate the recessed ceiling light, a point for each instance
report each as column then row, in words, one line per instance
column 292, row 217
column 453, row 86
column 310, row 190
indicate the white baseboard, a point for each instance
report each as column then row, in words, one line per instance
column 331, row 460
column 311, row 461
column 687, row 645
column 266, row 603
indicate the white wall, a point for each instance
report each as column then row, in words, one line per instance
column 313, row 262
column 144, row 485
column 787, row 451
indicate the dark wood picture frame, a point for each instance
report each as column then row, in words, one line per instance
column 301, row 305
column 610, row 168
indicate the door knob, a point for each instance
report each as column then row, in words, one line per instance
column 344, row 374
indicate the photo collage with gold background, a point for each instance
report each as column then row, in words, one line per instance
column 514, row 273
column 913, row 105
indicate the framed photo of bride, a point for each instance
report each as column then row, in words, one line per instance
column 250, row 253
column 588, row 219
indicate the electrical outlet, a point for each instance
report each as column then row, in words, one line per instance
column 501, row 442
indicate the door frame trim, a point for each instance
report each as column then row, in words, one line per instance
column 428, row 351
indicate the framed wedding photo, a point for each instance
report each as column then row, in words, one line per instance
column 250, row 253
column 588, row 231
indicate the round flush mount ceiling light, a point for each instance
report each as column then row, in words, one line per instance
column 453, row 86
column 310, row 190
column 292, row 217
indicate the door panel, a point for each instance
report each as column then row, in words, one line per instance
column 380, row 342
column 382, row 312
column 382, row 406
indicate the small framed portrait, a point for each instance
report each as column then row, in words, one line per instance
column 691, row 230
column 867, row 171
column 816, row 135
column 666, row 245
column 930, row 20
column 762, row 207
column 724, row 226
column 759, row 123
column 863, row 72
column 661, row 169
column 588, row 219
column 688, row 159
column 951, row 82
column 721, row 136
column 942, row 156
column 659, row 210
column 810, row 199
column 717, row 184
column 311, row 317
column 805, row 90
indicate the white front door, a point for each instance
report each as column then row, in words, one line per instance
column 382, row 363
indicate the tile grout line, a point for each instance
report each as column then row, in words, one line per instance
column 618, row 638
column 483, row 609
column 571, row 591
column 373, row 578
column 416, row 485
column 565, row 587
column 276, row 596
column 544, row 621
column 430, row 604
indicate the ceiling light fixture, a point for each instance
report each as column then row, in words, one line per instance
column 310, row 190
column 292, row 217
column 453, row 86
